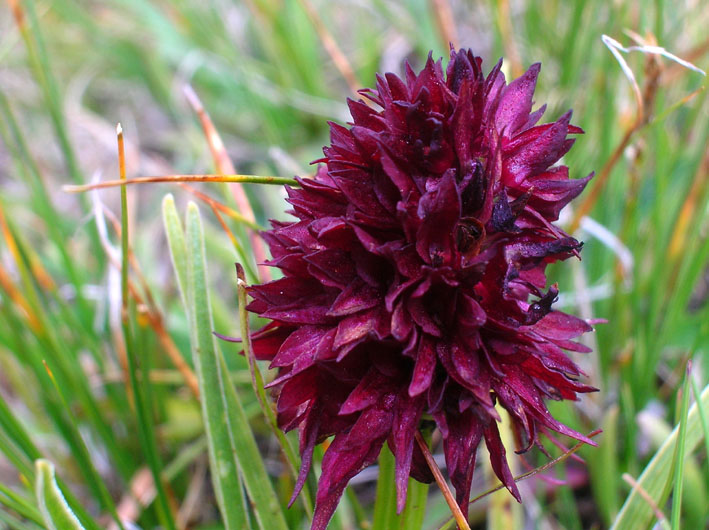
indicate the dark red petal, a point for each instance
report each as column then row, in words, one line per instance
column 516, row 102
column 349, row 453
column 424, row 368
column 498, row 458
column 407, row 414
column 460, row 447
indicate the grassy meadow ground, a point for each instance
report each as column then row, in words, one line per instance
column 270, row 74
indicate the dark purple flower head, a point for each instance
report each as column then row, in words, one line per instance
column 414, row 280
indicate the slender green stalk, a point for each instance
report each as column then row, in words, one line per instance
column 257, row 384
column 145, row 425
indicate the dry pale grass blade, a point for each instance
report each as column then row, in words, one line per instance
column 446, row 22
column 693, row 55
column 152, row 313
column 38, row 271
column 504, row 23
column 689, row 209
column 220, row 207
column 224, row 166
column 644, row 100
column 333, row 50
column 254, row 179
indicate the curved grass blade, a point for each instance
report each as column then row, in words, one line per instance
column 636, row 513
column 53, row 506
column 232, row 423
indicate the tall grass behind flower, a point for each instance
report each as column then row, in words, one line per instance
column 97, row 431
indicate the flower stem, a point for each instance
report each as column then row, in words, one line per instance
column 447, row 494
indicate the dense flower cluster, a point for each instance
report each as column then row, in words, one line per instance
column 414, row 280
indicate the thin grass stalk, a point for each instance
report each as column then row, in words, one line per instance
column 258, row 386
column 446, row 22
column 145, row 428
column 525, row 476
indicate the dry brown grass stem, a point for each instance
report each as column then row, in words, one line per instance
column 689, row 208
column 445, row 490
column 646, row 496
column 445, row 21
column 220, row 207
column 644, row 100
column 508, row 41
column 333, row 50
column 224, row 166
column 153, row 313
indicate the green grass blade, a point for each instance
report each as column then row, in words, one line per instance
column 178, row 248
column 14, row 523
column 702, row 416
column 221, row 449
column 385, row 504
column 84, row 457
column 19, row 504
column 680, row 452
column 233, row 423
column 55, row 511
column 636, row 513
column 415, row 510
column 385, row 516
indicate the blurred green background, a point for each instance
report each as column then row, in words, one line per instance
column 271, row 74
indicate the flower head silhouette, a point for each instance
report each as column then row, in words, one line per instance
column 414, row 280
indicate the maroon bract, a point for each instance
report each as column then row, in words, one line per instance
column 413, row 280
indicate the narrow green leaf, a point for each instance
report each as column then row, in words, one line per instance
column 636, row 513
column 14, row 523
column 680, row 452
column 143, row 407
column 415, row 510
column 178, row 247
column 53, row 506
column 222, row 409
column 385, row 516
column 221, row 450
column 385, row 504
column 18, row 503
column 702, row 416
